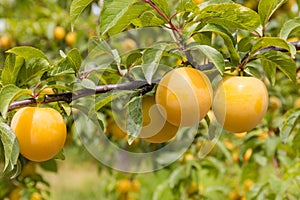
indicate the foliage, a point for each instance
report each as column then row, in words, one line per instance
column 123, row 56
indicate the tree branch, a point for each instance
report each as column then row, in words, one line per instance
column 132, row 85
column 69, row 96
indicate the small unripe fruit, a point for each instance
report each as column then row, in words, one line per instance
column 116, row 131
column 275, row 103
column 135, row 186
column 70, row 38
column 197, row 1
column 35, row 196
column 6, row 42
column 297, row 103
column 129, row 45
column 124, row 186
column 248, row 154
column 59, row 33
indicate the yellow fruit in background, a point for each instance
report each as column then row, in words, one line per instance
column 6, row 42
column 275, row 103
column 235, row 156
column 70, row 38
column 28, row 170
column 192, row 188
column 197, row 1
column 229, row 145
column 234, row 195
column 248, row 154
column 15, row 194
column 185, row 96
column 135, row 186
column 155, row 127
column 297, row 103
column 264, row 135
column 251, row 4
column 41, row 132
column 188, row 157
column 293, row 39
column 59, row 33
column 116, row 131
column 47, row 91
column 124, row 186
column 240, row 103
column 248, row 184
column 129, row 44
column 241, row 135
column 35, row 196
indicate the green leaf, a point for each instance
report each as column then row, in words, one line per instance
column 224, row 150
column 151, row 59
column 36, row 62
column 28, row 52
column 10, row 145
column 148, row 18
column 76, row 9
column 75, row 58
column 277, row 186
column 288, row 27
column 68, row 65
column 134, row 117
column 117, row 15
column 211, row 2
column 108, row 97
column 33, row 68
column 159, row 190
column 50, row 165
column 213, row 163
column 267, row 7
column 186, row 6
column 270, row 70
column 228, row 39
column 246, row 44
column 8, row 94
column 88, row 84
column 269, row 41
column 288, row 123
column 11, row 69
column 163, row 6
column 178, row 174
column 254, row 71
column 281, row 61
column 213, row 55
column 271, row 146
column 133, row 59
column 232, row 16
column 203, row 38
column 134, row 12
column 296, row 143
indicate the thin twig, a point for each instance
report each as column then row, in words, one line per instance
column 276, row 167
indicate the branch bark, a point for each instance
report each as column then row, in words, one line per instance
column 69, row 96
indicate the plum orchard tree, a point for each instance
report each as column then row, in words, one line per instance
column 221, row 55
